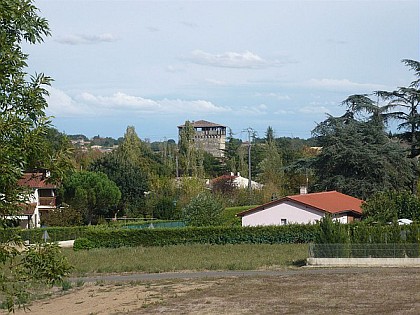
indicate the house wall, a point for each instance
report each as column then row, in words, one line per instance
column 342, row 218
column 288, row 210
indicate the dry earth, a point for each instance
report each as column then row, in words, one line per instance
column 328, row 291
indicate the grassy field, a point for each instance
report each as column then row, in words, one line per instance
column 186, row 257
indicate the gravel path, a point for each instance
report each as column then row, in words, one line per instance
column 223, row 274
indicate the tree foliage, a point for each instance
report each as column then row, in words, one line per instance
column 405, row 102
column 91, row 193
column 358, row 158
column 203, row 210
column 131, row 166
column 389, row 206
column 23, row 129
column 191, row 157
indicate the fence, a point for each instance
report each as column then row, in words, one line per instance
column 389, row 250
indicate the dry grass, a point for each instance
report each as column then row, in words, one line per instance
column 385, row 291
column 186, row 257
column 305, row 291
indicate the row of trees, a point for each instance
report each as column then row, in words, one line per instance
column 358, row 156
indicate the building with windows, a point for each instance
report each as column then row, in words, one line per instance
column 41, row 198
column 210, row 137
column 303, row 209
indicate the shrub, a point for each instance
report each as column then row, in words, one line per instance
column 203, row 210
column 82, row 243
column 201, row 235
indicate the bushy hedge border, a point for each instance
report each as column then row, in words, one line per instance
column 55, row 234
column 205, row 235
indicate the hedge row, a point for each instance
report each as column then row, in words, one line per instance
column 95, row 238
column 55, row 234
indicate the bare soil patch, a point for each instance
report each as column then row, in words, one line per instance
column 352, row 291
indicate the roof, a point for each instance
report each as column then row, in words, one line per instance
column 35, row 180
column 28, row 209
column 332, row 202
column 202, row 124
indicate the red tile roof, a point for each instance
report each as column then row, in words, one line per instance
column 35, row 180
column 28, row 209
column 332, row 202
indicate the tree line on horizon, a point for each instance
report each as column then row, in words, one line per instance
column 358, row 157
column 353, row 153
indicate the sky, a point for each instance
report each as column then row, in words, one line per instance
column 243, row 64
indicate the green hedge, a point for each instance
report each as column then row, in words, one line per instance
column 205, row 235
column 55, row 234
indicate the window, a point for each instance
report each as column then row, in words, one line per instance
column 283, row 221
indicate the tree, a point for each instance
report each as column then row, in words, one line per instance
column 131, row 179
column 203, row 210
column 92, row 194
column 389, row 206
column 23, row 125
column 131, row 166
column 162, row 199
column 190, row 157
column 407, row 101
column 358, row 158
column 231, row 157
column 272, row 165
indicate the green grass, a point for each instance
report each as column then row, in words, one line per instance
column 186, row 257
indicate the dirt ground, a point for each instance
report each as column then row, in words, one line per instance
column 347, row 291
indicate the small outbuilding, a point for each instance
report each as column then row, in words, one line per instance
column 304, row 209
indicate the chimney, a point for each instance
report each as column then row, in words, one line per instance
column 303, row 190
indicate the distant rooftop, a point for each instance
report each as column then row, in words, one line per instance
column 202, row 124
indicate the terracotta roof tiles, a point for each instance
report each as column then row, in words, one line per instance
column 332, row 202
column 35, row 180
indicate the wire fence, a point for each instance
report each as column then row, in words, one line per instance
column 370, row 250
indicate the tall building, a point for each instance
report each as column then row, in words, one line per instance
column 210, row 137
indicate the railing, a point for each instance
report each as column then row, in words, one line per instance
column 389, row 250
column 47, row 201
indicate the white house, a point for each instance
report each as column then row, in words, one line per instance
column 237, row 181
column 40, row 200
column 303, row 209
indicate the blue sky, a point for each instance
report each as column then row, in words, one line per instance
column 155, row 64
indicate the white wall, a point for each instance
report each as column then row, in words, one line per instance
column 342, row 218
column 292, row 212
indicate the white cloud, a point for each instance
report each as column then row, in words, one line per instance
column 276, row 96
column 247, row 60
column 61, row 104
column 88, row 104
column 283, row 112
column 216, row 82
column 175, row 68
column 255, row 110
column 83, row 39
column 341, row 84
column 152, row 29
column 314, row 110
column 120, row 101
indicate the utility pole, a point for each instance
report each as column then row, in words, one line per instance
column 250, row 132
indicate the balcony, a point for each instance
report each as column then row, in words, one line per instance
column 47, row 202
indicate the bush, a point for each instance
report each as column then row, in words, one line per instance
column 201, row 235
column 203, row 210
column 82, row 243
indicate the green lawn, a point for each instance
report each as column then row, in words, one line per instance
column 186, row 257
